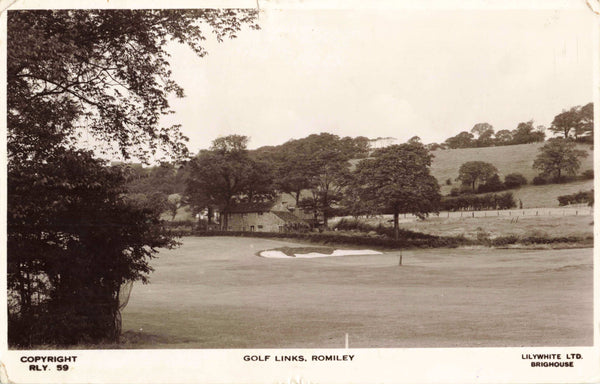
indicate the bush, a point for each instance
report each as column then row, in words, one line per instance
column 492, row 185
column 588, row 174
column 539, row 180
column 407, row 238
column 479, row 202
column 514, row 180
column 577, row 198
column 448, row 181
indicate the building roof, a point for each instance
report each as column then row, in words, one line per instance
column 251, row 207
column 289, row 217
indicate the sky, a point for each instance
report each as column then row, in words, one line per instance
column 384, row 73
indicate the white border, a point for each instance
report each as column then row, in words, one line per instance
column 431, row 365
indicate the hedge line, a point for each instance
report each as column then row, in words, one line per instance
column 478, row 202
column 430, row 242
column 577, row 198
column 418, row 241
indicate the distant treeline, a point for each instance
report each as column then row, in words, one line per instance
column 577, row 123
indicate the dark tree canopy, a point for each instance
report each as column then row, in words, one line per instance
column 462, row 140
column 226, row 174
column 559, row 157
column 473, row 172
column 484, row 132
column 577, row 123
column 105, row 71
column 397, row 180
column 74, row 236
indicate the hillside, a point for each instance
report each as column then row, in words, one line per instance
column 509, row 159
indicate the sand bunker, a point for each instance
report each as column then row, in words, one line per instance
column 274, row 254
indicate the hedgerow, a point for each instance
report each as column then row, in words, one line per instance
column 418, row 241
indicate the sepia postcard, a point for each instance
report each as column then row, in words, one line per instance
column 262, row 191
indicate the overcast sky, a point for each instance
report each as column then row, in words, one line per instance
column 384, row 73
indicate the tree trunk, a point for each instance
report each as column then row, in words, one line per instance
column 209, row 215
column 396, row 227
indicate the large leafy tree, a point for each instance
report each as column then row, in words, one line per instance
column 484, row 132
column 575, row 122
column 73, row 237
column 106, row 71
column 558, row 157
column 397, row 180
column 462, row 140
column 226, row 174
column 473, row 172
column 327, row 170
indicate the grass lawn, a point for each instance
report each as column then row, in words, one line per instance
column 496, row 226
column 216, row 293
column 508, row 159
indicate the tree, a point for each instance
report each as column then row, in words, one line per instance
column 397, row 180
column 74, row 238
column 577, row 122
column 558, row 157
column 586, row 123
column 462, row 140
column 225, row 175
column 525, row 133
column 73, row 235
column 514, row 180
column 109, row 68
column 503, row 137
column 328, row 175
column 484, row 132
column 473, row 172
column 292, row 168
column 566, row 122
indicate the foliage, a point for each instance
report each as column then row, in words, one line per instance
column 539, row 180
column 484, row 132
column 73, row 235
column 73, row 239
column 397, row 180
column 514, row 180
column 462, row 140
column 493, row 184
column 479, row 202
column 225, row 174
column 406, row 239
column 588, row 174
column 472, row 172
column 577, row 123
column 525, row 133
column 558, row 157
column 580, row 197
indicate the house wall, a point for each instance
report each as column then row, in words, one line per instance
column 254, row 221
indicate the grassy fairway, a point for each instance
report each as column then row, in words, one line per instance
column 216, row 293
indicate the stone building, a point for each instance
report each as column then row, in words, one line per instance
column 263, row 217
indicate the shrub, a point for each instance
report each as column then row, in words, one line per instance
column 514, row 180
column 577, row 198
column 539, row 180
column 588, row 174
column 479, row 202
column 492, row 185
column 448, row 181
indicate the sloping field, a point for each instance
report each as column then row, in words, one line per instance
column 216, row 293
column 508, row 159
